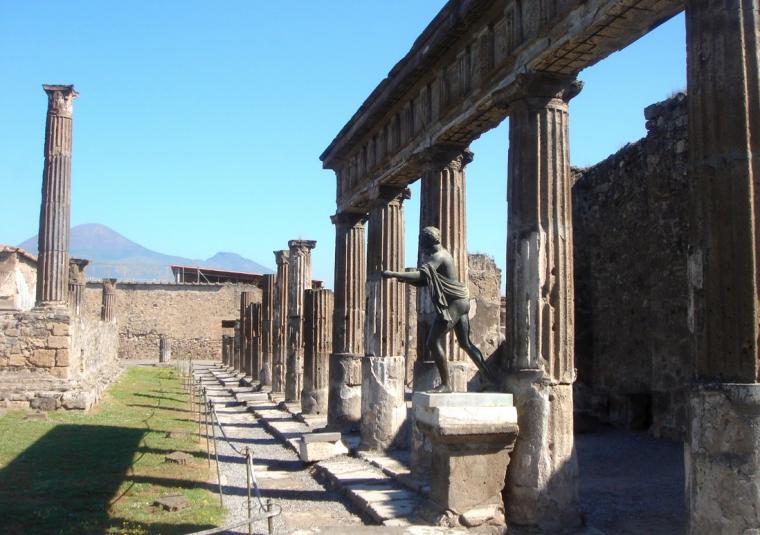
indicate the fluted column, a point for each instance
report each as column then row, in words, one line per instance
column 280, row 322
column 254, row 315
column 442, row 205
column 246, row 348
column 108, row 309
column 721, row 453
column 318, row 332
column 299, row 280
column 268, row 289
column 383, row 408
column 344, row 404
column 77, row 283
column 55, row 208
column 542, row 490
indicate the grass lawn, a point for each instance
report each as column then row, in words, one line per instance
column 99, row 472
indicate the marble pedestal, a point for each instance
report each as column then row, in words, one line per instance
column 472, row 435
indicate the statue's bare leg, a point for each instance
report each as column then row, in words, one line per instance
column 462, row 331
column 435, row 339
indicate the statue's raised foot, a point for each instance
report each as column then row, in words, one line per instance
column 441, row 389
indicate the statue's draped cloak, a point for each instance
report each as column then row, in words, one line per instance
column 443, row 290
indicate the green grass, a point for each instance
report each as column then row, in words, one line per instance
column 100, row 472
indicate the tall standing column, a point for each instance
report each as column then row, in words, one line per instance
column 254, row 314
column 77, row 283
column 280, row 321
column 246, row 299
column 55, row 209
column 543, row 488
column 108, row 309
column 298, row 281
column 318, row 331
column 721, row 454
column 442, row 205
column 344, row 403
column 383, row 407
column 268, row 289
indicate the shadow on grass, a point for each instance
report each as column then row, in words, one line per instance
column 65, row 481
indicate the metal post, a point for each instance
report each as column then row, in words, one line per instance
column 216, row 457
column 248, row 486
column 206, row 404
column 270, row 519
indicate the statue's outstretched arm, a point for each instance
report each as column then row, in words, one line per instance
column 411, row 277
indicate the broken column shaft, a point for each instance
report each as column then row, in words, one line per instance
column 254, row 317
column 268, row 289
column 542, row 489
column 77, row 282
column 246, row 299
column 55, row 208
column 299, row 280
column 383, row 408
column 344, row 404
column 108, row 309
column 279, row 346
column 318, row 326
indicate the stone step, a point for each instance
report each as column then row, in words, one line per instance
column 397, row 467
column 369, row 488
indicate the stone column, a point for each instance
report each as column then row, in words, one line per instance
column 254, row 315
column 383, row 407
column 442, row 205
column 279, row 346
column 299, row 281
column 236, row 348
column 55, row 209
column 246, row 299
column 268, row 289
column 318, row 331
column 108, row 309
column 721, row 452
column 344, row 403
column 410, row 332
column 164, row 349
column 225, row 350
column 542, row 487
column 77, row 283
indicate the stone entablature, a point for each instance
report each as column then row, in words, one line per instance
column 461, row 74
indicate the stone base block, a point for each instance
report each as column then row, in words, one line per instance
column 315, row 447
column 383, row 409
column 265, row 376
column 722, row 460
column 542, row 487
column 344, row 404
column 471, row 436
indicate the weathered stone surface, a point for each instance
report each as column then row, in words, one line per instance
column 633, row 346
column 279, row 343
column 722, row 461
column 314, row 451
column 44, row 358
column 268, row 289
column 299, row 280
column 383, row 410
column 108, row 311
column 542, row 484
column 345, row 391
column 173, row 502
column 318, row 334
column 472, row 435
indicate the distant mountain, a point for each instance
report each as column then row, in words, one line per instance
column 113, row 255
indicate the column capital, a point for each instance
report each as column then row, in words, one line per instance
column 350, row 219
column 381, row 195
column 439, row 156
column 301, row 246
column 540, row 88
column 109, row 285
column 281, row 257
column 60, row 99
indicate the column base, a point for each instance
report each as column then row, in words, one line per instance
column 383, row 410
column 344, row 404
column 472, row 436
column 314, row 401
column 542, row 487
column 722, row 460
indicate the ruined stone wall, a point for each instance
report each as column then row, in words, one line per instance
column 485, row 303
column 189, row 314
column 630, row 219
column 18, row 281
column 51, row 359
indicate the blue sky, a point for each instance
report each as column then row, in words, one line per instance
column 200, row 124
